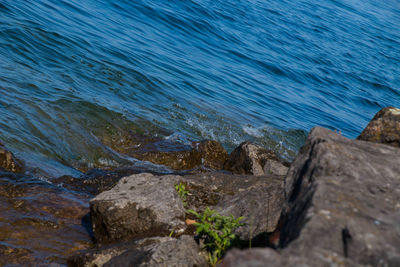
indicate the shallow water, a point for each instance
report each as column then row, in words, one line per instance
column 40, row 224
column 74, row 74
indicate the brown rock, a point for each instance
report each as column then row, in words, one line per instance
column 383, row 128
column 155, row 149
column 15, row 256
column 172, row 153
column 8, row 162
column 213, row 154
column 209, row 154
column 176, row 160
column 249, row 158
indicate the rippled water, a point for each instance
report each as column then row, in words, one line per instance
column 74, row 71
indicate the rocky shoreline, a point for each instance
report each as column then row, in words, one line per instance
column 337, row 204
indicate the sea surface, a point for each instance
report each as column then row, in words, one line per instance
column 266, row 71
column 75, row 72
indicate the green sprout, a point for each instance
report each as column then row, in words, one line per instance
column 182, row 192
column 217, row 231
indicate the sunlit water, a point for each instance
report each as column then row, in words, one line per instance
column 267, row 71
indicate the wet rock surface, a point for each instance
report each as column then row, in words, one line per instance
column 16, row 256
column 213, row 155
column 141, row 205
column 93, row 182
column 176, row 160
column 96, row 181
column 39, row 223
column 175, row 154
column 383, row 128
column 155, row 251
column 342, row 207
column 253, row 159
column 8, row 162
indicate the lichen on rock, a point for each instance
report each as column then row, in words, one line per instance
column 383, row 128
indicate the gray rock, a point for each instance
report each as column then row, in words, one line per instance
column 249, row 158
column 156, row 251
column 261, row 257
column 139, row 206
column 383, row 128
column 272, row 167
column 260, row 205
column 259, row 199
column 342, row 207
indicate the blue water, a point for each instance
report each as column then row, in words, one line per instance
column 72, row 72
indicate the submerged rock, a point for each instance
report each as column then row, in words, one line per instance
column 383, row 128
column 15, row 256
column 213, row 154
column 95, row 181
column 39, row 223
column 176, row 160
column 140, row 205
column 8, row 162
column 155, row 251
column 208, row 154
column 171, row 153
column 342, row 207
column 253, row 159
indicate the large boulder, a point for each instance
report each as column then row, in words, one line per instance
column 342, row 207
column 260, row 206
column 8, row 162
column 141, row 205
column 259, row 199
column 250, row 158
column 155, row 251
column 383, row 128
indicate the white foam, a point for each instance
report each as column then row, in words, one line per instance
column 256, row 132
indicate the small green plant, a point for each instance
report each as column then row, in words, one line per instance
column 182, row 192
column 217, row 231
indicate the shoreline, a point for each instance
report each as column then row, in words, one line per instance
column 215, row 175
